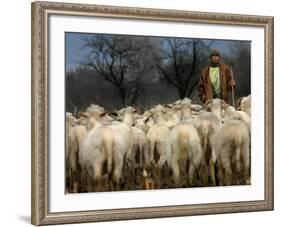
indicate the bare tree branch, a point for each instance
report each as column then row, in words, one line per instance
column 165, row 74
column 182, row 57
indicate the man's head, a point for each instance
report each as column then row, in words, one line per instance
column 215, row 56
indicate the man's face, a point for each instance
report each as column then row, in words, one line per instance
column 215, row 59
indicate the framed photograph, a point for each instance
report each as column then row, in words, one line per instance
column 149, row 113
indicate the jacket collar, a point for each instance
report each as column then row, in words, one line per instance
column 214, row 65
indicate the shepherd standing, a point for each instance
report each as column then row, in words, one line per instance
column 215, row 79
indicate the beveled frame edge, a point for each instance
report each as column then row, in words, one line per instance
column 39, row 171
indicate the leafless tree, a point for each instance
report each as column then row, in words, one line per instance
column 181, row 61
column 120, row 60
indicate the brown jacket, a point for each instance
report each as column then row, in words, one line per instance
column 205, row 91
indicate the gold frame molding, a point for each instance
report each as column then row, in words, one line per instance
column 40, row 13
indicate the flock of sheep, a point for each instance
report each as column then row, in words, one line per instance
column 168, row 146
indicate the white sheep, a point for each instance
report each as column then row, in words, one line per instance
column 231, row 145
column 95, row 156
column 216, row 106
column 107, row 144
column 138, row 154
column 141, row 123
column 207, row 124
column 231, row 113
column 177, row 112
column 196, row 107
column 173, row 115
column 124, row 140
column 74, row 137
column 186, row 108
column 137, row 159
column 94, row 109
column 157, row 136
column 244, row 104
column 68, row 124
column 184, row 148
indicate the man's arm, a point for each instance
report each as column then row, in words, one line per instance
column 201, row 88
column 230, row 79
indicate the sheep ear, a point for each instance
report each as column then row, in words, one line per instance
column 207, row 104
column 223, row 102
column 207, row 107
column 168, row 105
column 114, row 114
column 135, row 109
column 76, row 121
column 225, row 106
column 84, row 114
column 238, row 102
column 103, row 114
column 146, row 120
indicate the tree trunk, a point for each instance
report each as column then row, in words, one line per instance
column 122, row 93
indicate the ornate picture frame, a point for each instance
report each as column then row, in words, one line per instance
column 41, row 108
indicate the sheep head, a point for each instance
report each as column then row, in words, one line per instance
column 127, row 115
column 158, row 113
column 95, row 108
column 216, row 106
column 69, row 120
column 186, row 109
column 93, row 119
column 244, row 104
